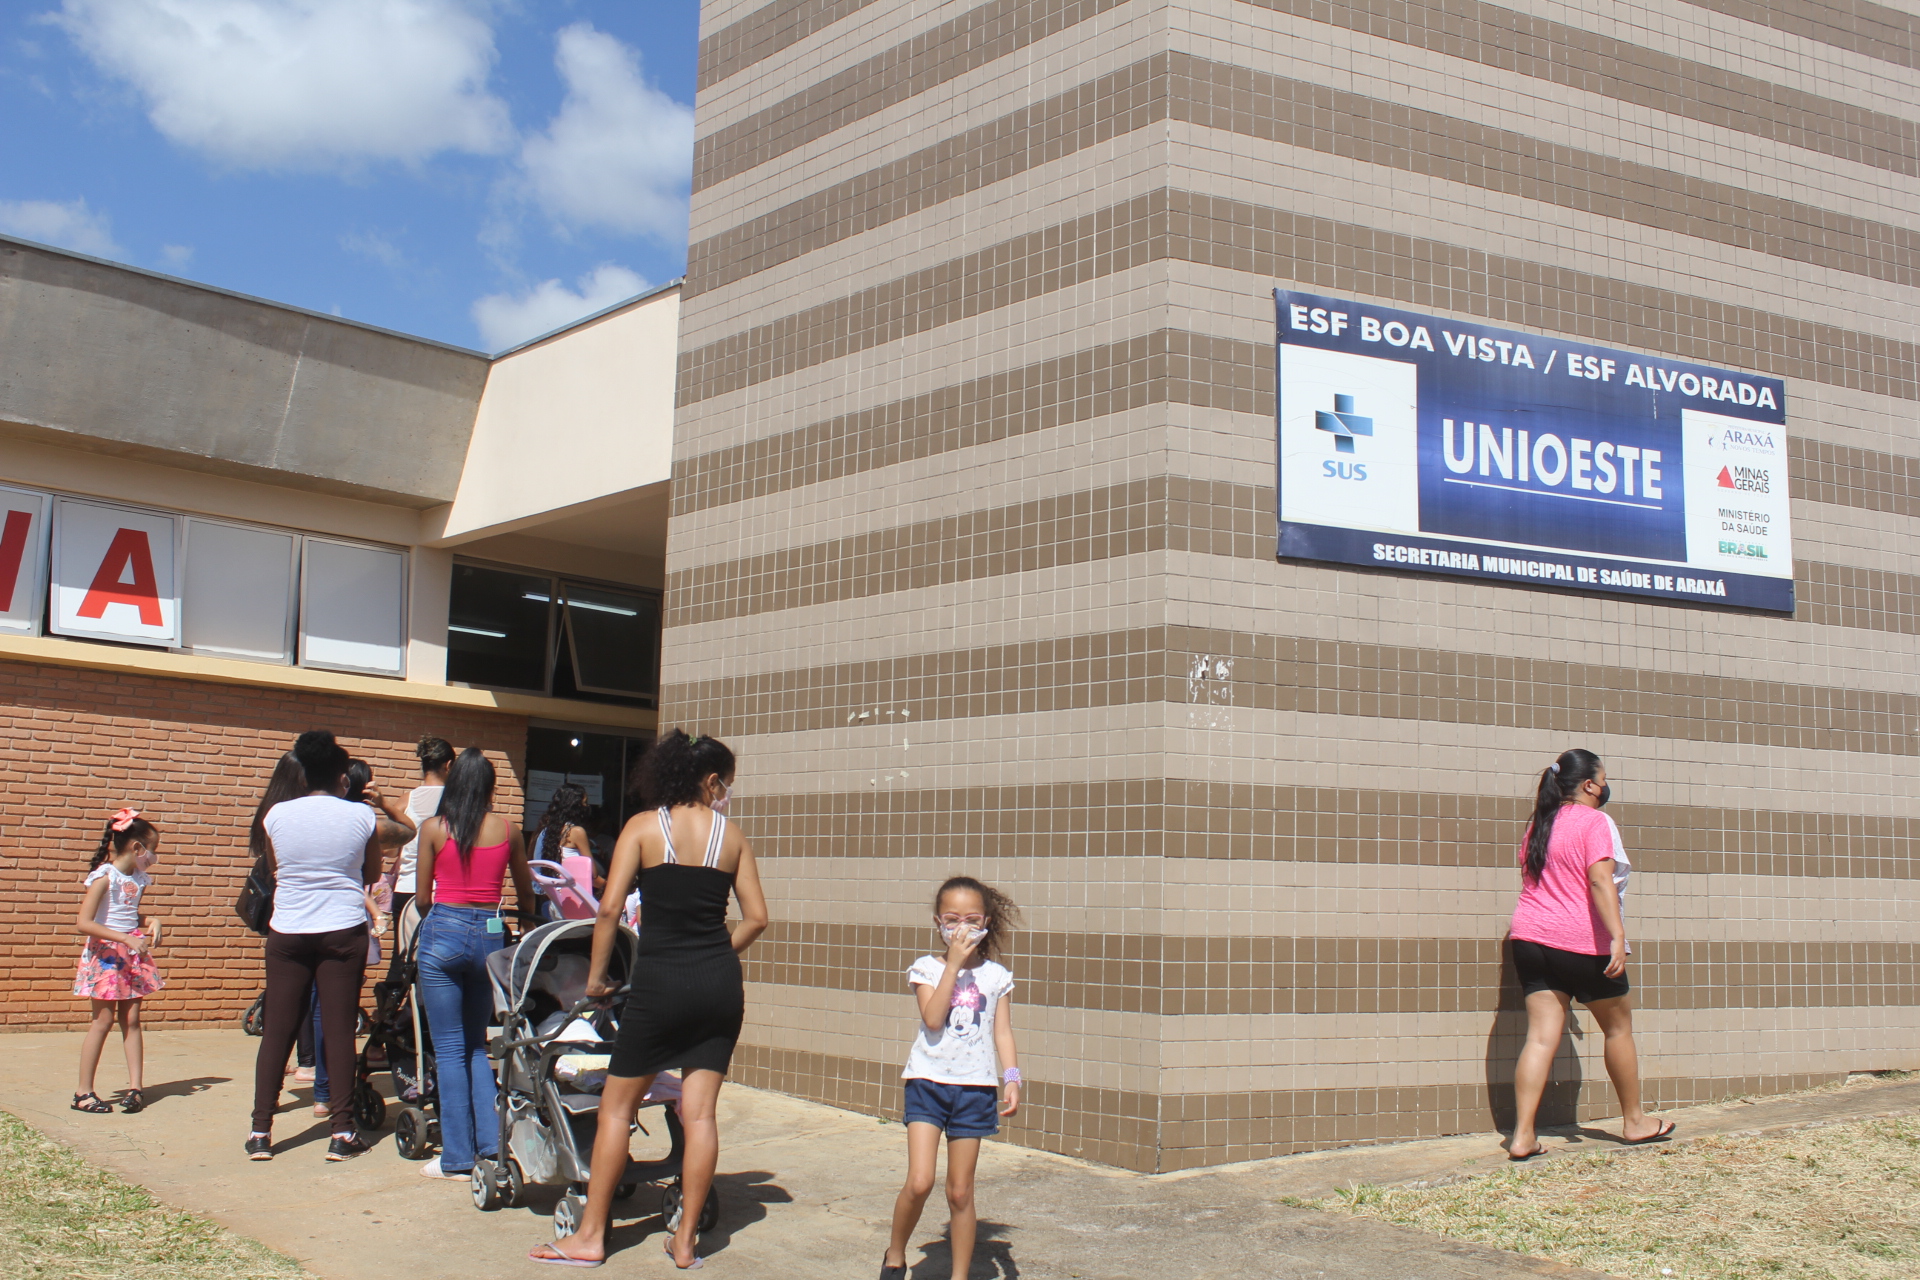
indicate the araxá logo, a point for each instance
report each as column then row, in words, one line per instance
column 1330, row 403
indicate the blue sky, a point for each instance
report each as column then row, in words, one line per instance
column 476, row 171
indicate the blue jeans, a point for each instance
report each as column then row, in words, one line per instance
column 454, row 946
column 320, row 1093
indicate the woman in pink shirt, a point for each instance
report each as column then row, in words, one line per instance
column 1569, row 943
column 466, row 850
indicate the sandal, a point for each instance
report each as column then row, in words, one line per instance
column 132, row 1101
column 697, row 1263
column 92, row 1103
column 559, row 1259
column 1661, row 1134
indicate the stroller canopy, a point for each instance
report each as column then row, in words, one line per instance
column 551, row 962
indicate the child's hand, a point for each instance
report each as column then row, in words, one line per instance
column 961, row 946
column 1012, row 1096
column 140, row 944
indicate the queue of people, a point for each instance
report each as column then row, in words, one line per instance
column 324, row 829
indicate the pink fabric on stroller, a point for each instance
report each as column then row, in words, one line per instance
column 568, row 885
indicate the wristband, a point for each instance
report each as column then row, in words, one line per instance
column 1011, row 1075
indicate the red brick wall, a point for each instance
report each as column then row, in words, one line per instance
column 75, row 745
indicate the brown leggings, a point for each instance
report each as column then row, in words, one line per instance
column 337, row 962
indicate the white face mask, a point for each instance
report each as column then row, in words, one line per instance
column 724, row 799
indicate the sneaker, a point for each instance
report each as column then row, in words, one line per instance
column 432, row 1169
column 259, row 1146
column 345, row 1146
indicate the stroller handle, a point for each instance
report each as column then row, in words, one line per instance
column 580, row 1006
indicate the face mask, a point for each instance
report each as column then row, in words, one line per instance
column 725, row 798
column 949, row 932
column 141, row 861
column 1606, row 794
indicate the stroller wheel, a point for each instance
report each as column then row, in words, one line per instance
column 485, row 1185
column 511, row 1183
column 369, row 1108
column 254, row 1020
column 410, row 1134
column 671, row 1203
column 567, row 1214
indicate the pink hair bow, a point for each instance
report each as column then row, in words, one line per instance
column 124, row 819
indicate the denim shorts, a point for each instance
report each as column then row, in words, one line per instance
column 958, row 1110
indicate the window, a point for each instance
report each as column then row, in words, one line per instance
column 239, row 600
column 518, row 629
column 353, row 608
column 23, row 559
column 113, row 573
column 499, row 628
column 613, row 638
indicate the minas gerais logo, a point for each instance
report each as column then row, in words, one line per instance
column 1344, row 425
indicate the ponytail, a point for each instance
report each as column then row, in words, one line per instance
column 1559, row 783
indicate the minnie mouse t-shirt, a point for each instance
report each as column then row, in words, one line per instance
column 962, row 1051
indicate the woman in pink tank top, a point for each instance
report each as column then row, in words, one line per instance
column 466, row 849
column 1569, row 943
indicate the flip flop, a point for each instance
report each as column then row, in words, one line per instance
column 561, row 1259
column 1664, row 1132
column 667, row 1247
column 1537, row 1151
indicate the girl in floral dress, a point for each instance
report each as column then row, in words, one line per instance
column 116, row 966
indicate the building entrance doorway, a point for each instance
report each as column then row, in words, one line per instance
column 601, row 762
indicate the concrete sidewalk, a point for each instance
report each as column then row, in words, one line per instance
column 806, row 1189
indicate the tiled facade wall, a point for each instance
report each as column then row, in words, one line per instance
column 75, row 745
column 972, row 550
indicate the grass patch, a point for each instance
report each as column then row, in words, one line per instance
column 62, row 1217
column 1840, row 1202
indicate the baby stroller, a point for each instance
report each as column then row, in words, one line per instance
column 397, row 1029
column 551, row 1062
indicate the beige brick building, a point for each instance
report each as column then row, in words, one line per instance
column 972, row 551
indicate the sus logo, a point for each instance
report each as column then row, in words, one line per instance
column 1343, row 423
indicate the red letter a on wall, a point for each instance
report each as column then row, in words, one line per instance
column 13, row 549
column 128, row 549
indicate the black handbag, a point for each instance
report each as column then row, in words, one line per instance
column 254, row 906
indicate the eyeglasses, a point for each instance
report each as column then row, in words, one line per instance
column 973, row 922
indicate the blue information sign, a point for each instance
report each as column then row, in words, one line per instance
column 1428, row 445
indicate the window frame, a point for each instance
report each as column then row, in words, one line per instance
column 406, row 592
column 556, row 581
column 176, row 547
column 296, row 589
column 34, row 574
column 548, row 653
column 573, row 645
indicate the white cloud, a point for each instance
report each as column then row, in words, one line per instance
column 303, row 84
column 375, row 246
column 176, row 256
column 619, row 155
column 507, row 319
column 71, row 225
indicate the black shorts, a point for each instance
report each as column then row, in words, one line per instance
column 1584, row 977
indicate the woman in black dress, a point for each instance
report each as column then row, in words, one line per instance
column 688, row 996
